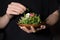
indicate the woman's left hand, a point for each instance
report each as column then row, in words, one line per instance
column 32, row 29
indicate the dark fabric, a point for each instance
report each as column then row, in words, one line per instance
column 1, row 35
column 56, row 37
column 41, row 7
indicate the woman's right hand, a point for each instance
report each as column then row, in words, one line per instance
column 15, row 9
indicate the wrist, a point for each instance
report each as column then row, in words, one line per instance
column 9, row 16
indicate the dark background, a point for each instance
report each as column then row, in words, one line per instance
column 3, row 6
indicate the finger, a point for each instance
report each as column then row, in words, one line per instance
column 19, row 5
column 12, row 12
column 14, row 8
column 32, row 29
column 43, row 26
column 38, row 29
column 25, row 29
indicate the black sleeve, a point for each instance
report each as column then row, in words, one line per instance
column 3, row 7
column 58, row 2
column 53, row 5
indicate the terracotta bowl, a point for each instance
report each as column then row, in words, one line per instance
column 29, row 25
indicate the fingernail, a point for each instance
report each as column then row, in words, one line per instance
column 21, row 27
column 44, row 27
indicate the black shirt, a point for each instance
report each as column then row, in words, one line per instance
column 43, row 7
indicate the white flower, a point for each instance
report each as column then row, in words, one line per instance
column 27, row 15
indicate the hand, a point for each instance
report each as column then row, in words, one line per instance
column 32, row 29
column 15, row 9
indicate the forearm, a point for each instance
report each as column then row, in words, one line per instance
column 53, row 18
column 4, row 20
